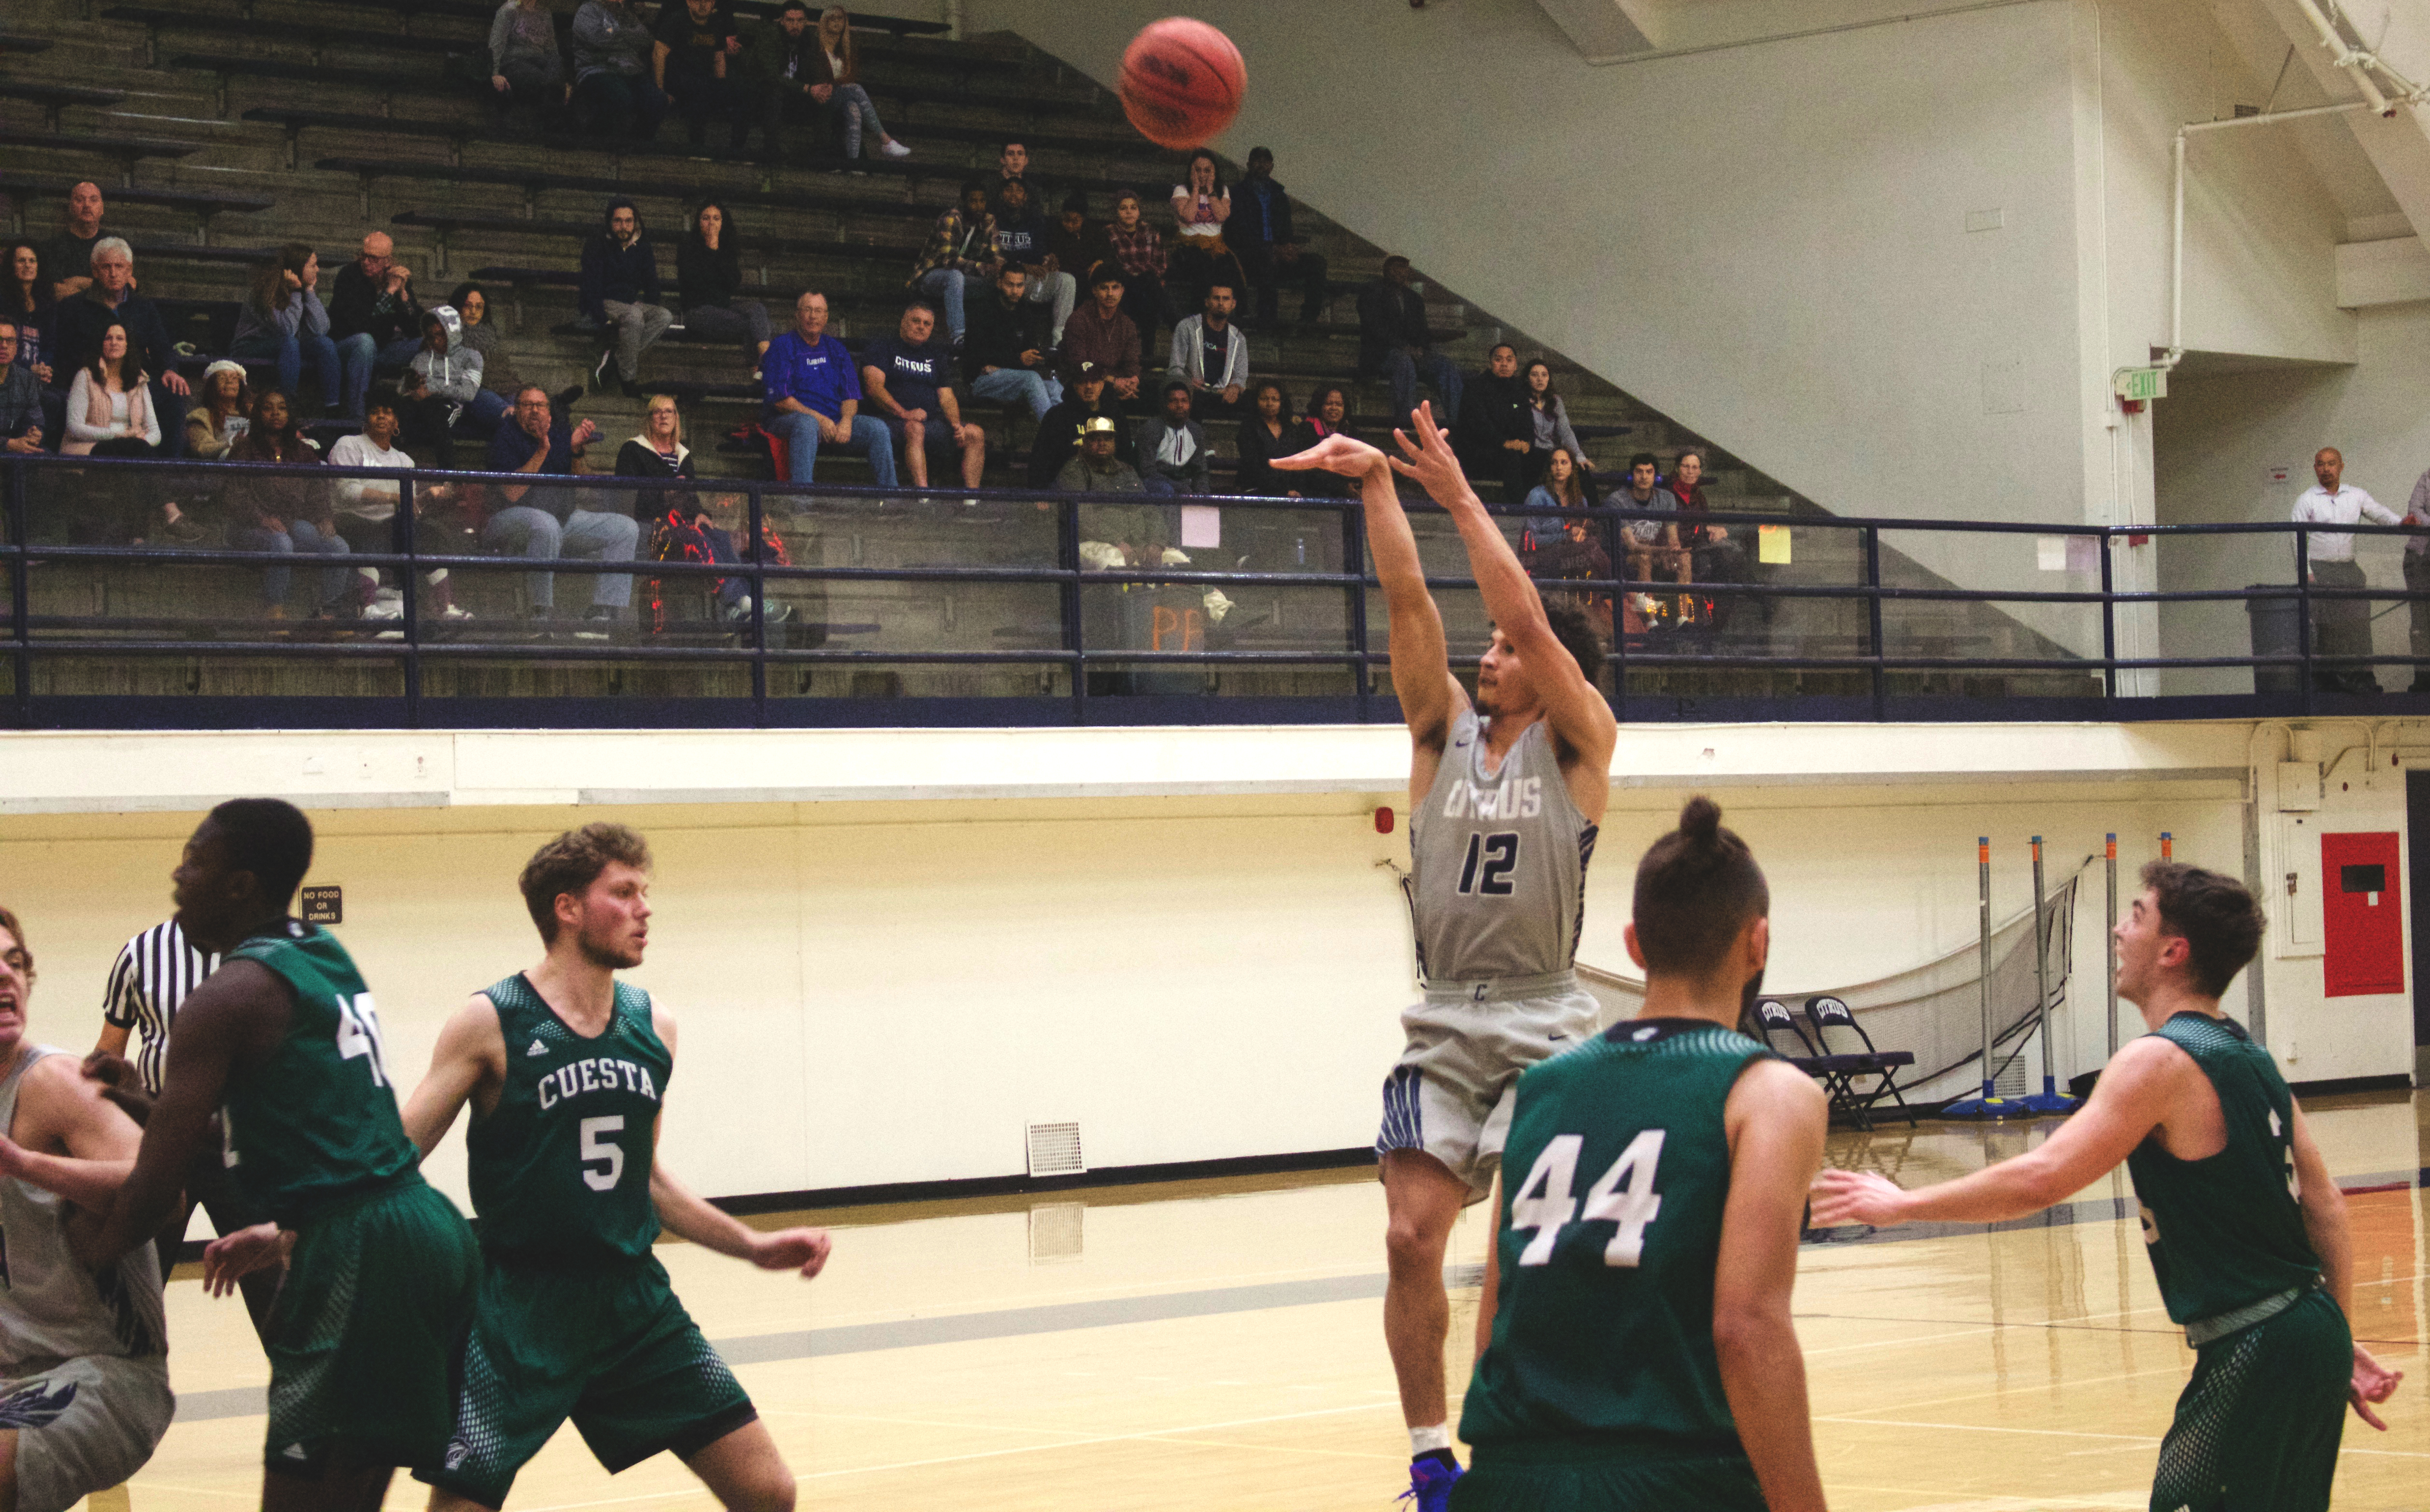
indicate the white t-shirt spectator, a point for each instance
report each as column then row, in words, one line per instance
column 367, row 498
column 2344, row 508
column 1189, row 210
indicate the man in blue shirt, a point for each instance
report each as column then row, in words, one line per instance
column 908, row 379
column 814, row 398
column 529, row 520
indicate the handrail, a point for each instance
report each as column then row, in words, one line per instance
column 1066, row 640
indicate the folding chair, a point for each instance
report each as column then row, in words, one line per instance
column 1773, row 1020
column 1829, row 1013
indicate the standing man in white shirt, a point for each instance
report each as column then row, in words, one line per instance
column 2417, row 581
column 2340, row 627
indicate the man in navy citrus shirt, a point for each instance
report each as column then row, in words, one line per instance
column 814, row 398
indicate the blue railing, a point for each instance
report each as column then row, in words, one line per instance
column 1088, row 643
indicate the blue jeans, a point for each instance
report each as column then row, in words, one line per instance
column 521, row 530
column 800, row 429
column 359, row 357
column 290, row 352
column 480, row 418
column 944, row 285
column 300, row 535
column 1019, row 386
column 1401, row 372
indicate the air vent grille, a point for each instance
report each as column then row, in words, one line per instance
column 1054, row 1232
column 1054, row 1150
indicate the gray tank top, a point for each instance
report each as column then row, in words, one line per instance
column 51, row 1307
column 1497, row 864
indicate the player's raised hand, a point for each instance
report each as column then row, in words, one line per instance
column 1337, row 453
column 1843, row 1197
column 2372, row 1382
column 1429, row 457
column 791, row 1247
column 120, row 1083
column 233, row 1256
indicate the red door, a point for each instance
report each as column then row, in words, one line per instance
column 2362, row 933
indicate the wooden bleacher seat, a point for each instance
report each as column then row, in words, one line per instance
column 127, row 150
column 763, row 247
column 55, row 98
column 203, row 203
column 320, row 37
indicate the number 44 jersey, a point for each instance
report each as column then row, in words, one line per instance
column 561, row 1168
column 1602, row 1333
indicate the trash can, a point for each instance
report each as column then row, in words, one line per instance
column 2275, row 633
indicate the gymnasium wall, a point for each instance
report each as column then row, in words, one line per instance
column 888, row 990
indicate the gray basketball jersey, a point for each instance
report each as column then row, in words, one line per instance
column 51, row 1307
column 1498, row 863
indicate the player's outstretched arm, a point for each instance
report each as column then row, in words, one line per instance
column 470, row 1057
column 239, row 1011
column 2131, row 1100
column 1430, row 697
column 1776, row 1116
column 1580, row 717
column 74, row 1140
column 2325, row 1225
column 688, row 1215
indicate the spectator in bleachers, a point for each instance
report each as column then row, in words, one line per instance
column 691, row 49
column 1269, row 432
column 479, row 333
column 2416, row 580
column 1139, row 248
column 960, row 252
column 1567, row 550
column 546, row 522
column 67, row 258
column 366, row 516
column 1020, row 242
column 284, row 512
column 284, row 320
column 1077, row 244
column 680, row 529
column 1395, row 344
column 1496, row 427
column 25, row 302
column 222, row 413
column 908, row 379
column 1095, row 468
column 1269, row 250
column 1653, row 544
column 784, row 59
column 708, row 277
column 1210, row 357
column 442, row 396
column 1551, row 420
column 1715, row 557
column 814, row 398
column 373, row 318
column 1562, row 489
column 2342, row 626
column 111, row 300
column 1087, row 397
column 1012, row 167
column 838, row 88
column 1004, row 350
column 1201, row 205
column 525, row 67
column 1172, row 448
column 621, row 293
column 1328, row 414
column 613, row 96
column 109, row 411
column 22, row 420
column 1102, row 337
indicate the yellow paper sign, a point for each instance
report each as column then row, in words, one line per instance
column 1771, row 544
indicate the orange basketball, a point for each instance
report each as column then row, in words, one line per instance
column 1182, row 82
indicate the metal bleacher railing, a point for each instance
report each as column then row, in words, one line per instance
column 980, row 607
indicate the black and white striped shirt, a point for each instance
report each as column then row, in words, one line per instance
column 154, row 973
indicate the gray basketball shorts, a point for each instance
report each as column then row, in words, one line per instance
column 84, row 1425
column 1451, row 1092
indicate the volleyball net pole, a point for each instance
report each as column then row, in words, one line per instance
column 1985, row 1106
column 2050, row 1099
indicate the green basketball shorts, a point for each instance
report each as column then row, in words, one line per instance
column 1572, row 1479
column 2257, row 1426
column 608, row 1347
column 365, row 1337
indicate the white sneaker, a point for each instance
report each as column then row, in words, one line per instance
column 895, row 149
column 384, row 610
column 388, row 595
column 452, row 612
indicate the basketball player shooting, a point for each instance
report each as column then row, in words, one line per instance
column 1504, row 796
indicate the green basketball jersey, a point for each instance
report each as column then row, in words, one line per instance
column 2225, row 1231
column 1614, row 1179
column 318, row 1120
column 561, row 1168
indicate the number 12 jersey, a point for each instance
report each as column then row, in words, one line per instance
column 561, row 1168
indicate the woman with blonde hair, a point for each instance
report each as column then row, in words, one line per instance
column 839, row 56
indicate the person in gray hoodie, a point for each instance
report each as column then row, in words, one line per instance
column 525, row 65
column 614, row 94
column 442, row 393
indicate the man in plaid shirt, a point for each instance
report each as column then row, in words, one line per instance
column 960, row 250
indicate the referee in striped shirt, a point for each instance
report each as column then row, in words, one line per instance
column 155, row 973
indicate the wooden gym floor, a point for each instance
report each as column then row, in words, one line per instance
column 1218, row 1345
